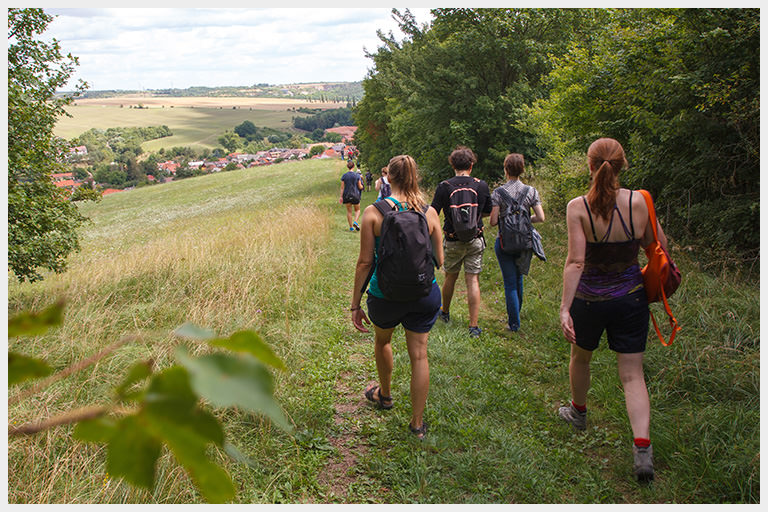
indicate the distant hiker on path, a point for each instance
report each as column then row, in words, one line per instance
column 396, row 263
column 603, row 291
column 465, row 201
column 382, row 184
column 517, row 241
column 351, row 188
column 368, row 180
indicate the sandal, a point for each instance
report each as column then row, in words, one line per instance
column 370, row 394
column 420, row 432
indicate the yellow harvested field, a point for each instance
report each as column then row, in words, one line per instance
column 206, row 102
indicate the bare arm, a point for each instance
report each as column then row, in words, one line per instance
column 538, row 214
column 574, row 266
column 436, row 234
column 364, row 263
column 494, row 216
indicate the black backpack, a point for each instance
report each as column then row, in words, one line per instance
column 405, row 265
column 515, row 230
column 463, row 210
column 351, row 193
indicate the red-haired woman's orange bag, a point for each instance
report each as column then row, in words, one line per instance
column 661, row 276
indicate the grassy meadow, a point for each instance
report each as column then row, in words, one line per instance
column 198, row 126
column 268, row 249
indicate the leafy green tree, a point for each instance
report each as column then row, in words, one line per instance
column 680, row 89
column 463, row 80
column 42, row 223
column 247, row 130
column 230, row 141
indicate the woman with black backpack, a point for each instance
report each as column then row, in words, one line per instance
column 512, row 203
column 400, row 245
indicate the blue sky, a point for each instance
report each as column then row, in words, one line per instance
column 156, row 48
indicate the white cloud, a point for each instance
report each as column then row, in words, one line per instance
column 130, row 48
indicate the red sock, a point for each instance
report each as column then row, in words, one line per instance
column 641, row 442
column 580, row 408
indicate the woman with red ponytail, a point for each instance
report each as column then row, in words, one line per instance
column 603, row 291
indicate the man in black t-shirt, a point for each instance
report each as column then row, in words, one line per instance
column 351, row 189
column 470, row 253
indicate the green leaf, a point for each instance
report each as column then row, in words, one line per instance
column 235, row 453
column 191, row 331
column 139, row 371
column 170, row 398
column 98, row 430
column 132, row 452
column 228, row 381
column 251, row 343
column 32, row 323
column 189, row 448
column 21, row 368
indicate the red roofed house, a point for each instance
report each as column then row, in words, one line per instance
column 170, row 166
column 346, row 132
column 108, row 191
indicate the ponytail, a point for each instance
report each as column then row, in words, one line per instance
column 607, row 157
column 404, row 175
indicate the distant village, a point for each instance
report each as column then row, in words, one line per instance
column 343, row 150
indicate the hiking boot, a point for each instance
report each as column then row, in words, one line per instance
column 475, row 332
column 445, row 317
column 571, row 415
column 643, row 468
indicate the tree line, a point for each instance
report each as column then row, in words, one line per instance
column 679, row 88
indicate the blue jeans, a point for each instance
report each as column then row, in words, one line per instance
column 513, row 286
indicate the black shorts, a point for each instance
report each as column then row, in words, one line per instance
column 417, row 316
column 625, row 321
column 351, row 201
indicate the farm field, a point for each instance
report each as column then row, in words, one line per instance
column 195, row 122
column 268, row 249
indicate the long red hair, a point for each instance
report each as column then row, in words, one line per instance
column 607, row 157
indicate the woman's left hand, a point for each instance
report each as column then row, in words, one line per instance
column 358, row 318
column 566, row 324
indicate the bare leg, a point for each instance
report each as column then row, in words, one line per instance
column 357, row 212
column 578, row 371
column 473, row 297
column 448, row 287
column 635, row 393
column 349, row 214
column 383, row 352
column 417, row 352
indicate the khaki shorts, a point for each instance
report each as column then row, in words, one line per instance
column 470, row 253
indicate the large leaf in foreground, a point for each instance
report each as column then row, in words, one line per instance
column 32, row 323
column 249, row 342
column 229, row 381
column 133, row 452
column 21, row 368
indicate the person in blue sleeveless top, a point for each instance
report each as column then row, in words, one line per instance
column 603, row 291
column 417, row 317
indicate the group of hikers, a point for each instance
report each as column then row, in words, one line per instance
column 402, row 242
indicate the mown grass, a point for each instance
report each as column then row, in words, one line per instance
column 268, row 249
column 194, row 127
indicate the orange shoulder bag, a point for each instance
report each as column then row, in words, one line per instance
column 661, row 276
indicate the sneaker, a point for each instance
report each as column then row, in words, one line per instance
column 445, row 317
column 571, row 415
column 351, row 229
column 356, row 226
column 475, row 332
column 643, row 468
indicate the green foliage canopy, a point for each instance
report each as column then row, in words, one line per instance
column 680, row 89
column 42, row 223
column 464, row 80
